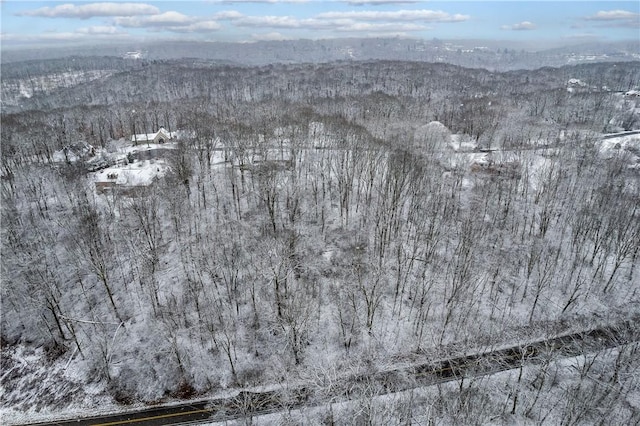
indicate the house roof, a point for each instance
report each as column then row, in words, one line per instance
column 138, row 174
column 143, row 137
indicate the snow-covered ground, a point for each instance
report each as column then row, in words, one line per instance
column 461, row 142
column 141, row 173
column 16, row 89
column 539, row 393
column 628, row 145
column 128, row 165
column 515, row 396
column 39, row 388
column 80, row 396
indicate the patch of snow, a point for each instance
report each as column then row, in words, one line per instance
column 624, row 144
column 434, row 135
column 141, row 173
column 462, row 143
column 576, row 82
column 15, row 89
column 147, row 137
column 24, row 92
column 132, row 55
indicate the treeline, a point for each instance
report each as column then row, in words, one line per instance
column 496, row 109
column 161, row 81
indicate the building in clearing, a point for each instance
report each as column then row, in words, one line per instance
column 129, row 179
column 161, row 136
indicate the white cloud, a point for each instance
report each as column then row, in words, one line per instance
column 338, row 25
column 379, row 27
column 274, row 22
column 387, row 22
column 613, row 15
column 172, row 21
column 91, row 10
column 99, row 29
column 522, row 26
column 197, row 27
column 228, row 14
column 166, row 19
column 398, row 15
column 616, row 18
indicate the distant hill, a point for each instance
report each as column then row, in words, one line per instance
column 492, row 55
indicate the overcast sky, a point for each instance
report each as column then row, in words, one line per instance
column 38, row 22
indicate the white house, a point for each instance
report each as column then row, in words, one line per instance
column 130, row 178
column 161, row 136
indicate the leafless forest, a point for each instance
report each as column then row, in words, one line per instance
column 318, row 220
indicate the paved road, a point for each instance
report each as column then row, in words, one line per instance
column 154, row 416
column 247, row 404
column 617, row 135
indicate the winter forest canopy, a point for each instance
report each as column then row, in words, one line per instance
column 306, row 222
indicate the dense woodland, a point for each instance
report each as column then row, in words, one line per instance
column 318, row 221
